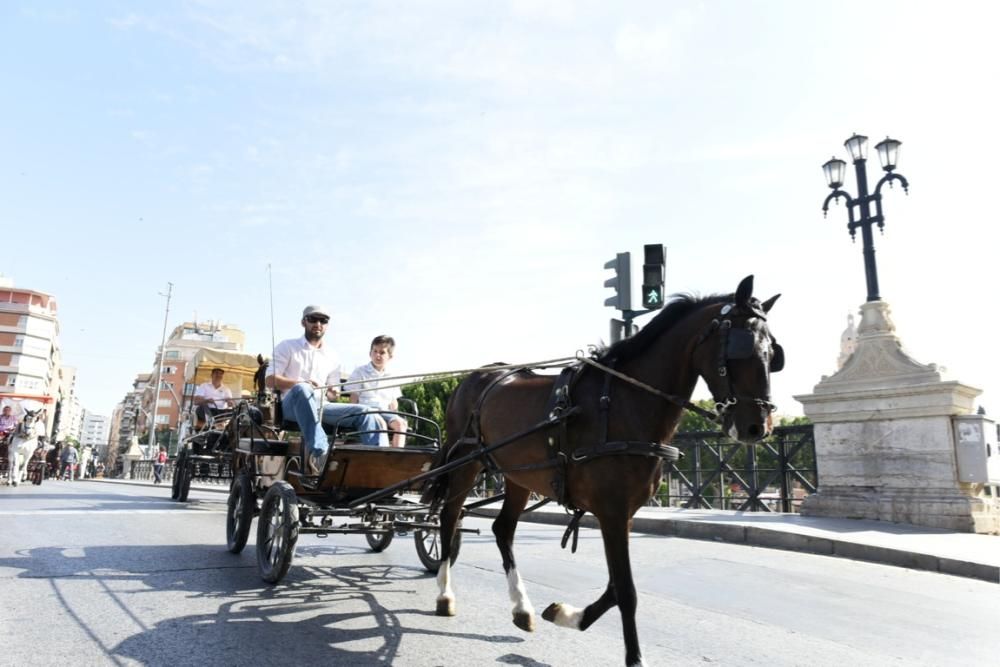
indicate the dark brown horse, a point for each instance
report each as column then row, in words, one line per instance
column 602, row 452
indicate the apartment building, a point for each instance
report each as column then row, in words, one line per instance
column 29, row 346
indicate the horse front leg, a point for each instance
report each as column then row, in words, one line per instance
column 504, row 526
column 620, row 591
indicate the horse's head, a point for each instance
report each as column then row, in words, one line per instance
column 736, row 355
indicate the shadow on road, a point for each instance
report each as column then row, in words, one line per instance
column 346, row 615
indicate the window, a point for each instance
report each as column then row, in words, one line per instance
column 172, row 354
column 168, row 370
column 162, row 419
column 164, row 403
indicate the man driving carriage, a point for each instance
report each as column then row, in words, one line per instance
column 8, row 422
column 300, row 369
column 211, row 398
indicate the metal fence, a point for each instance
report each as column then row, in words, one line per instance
column 718, row 473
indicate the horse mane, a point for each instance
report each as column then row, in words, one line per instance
column 678, row 307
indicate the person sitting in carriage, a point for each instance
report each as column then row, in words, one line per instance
column 301, row 369
column 365, row 388
column 8, row 422
column 211, row 398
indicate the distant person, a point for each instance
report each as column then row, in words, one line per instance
column 70, row 457
column 366, row 387
column 8, row 422
column 158, row 463
column 300, row 369
column 211, row 398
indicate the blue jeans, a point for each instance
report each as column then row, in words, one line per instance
column 301, row 404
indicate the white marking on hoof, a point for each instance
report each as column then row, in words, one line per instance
column 641, row 663
column 567, row 616
column 518, row 595
column 446, row 599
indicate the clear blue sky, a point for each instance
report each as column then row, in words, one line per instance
column 456, row 174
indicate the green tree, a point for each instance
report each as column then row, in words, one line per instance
column 431, row 398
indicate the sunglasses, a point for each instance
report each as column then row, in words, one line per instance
column 313, row 319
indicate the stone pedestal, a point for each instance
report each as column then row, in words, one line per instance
column 132, row 454
column 884, row 440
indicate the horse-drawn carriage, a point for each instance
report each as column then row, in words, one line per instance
column 591, row 438
column 361, row 489
column 204, row 450
column 22, row 449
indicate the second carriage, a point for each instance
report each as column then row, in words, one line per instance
column 204, row 450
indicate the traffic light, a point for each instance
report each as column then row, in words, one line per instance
column 652, row 275
column 621, row 283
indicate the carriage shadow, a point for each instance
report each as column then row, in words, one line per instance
column 352, row 614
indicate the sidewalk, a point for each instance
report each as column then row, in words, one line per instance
column 961, row 554
column 903, row 545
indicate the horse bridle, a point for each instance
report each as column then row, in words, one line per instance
column 737, row 343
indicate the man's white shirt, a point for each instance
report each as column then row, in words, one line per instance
column 216, row 396
column 295, row 358
column 370, row 392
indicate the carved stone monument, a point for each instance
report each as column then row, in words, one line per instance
column 885, row 447
column 133, row 454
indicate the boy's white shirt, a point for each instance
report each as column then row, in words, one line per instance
column 369, row 393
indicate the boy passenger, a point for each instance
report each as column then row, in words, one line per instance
column 367, row 390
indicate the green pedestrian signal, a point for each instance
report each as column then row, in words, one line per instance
column 652, row 298
column 653, row 269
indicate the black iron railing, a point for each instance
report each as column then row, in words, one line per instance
column 718, row 473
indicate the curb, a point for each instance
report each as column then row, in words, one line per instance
column 784, row 540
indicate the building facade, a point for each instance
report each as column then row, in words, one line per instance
column 29, row 346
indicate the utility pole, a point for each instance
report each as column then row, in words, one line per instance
column 159, row 372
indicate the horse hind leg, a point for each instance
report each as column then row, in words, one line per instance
column 451, row 512
column 504, row 527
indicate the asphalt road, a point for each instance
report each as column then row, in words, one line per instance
column 95, row 573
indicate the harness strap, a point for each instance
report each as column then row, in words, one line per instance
column 676, row 400
column 630, row 447
column 573, row 529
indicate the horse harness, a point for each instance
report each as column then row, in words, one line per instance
column 735, row 343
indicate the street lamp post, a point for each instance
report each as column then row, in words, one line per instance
column 859, row 209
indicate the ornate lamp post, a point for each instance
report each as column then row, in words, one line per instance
column 859, row 209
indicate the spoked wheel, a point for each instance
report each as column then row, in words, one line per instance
column 183, row 477
column 239, row 516
column 277, row 532
column 428, row 543
column 175, row 483
column 380, row 541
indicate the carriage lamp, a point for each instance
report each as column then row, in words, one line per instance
column 859, row 208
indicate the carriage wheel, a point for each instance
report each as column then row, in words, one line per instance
column 277, row 532
column 175, row 483
column 239, row 517
column 379, row 541
column 428, row 543
column 184, row 478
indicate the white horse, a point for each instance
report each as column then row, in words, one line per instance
column 22, row 445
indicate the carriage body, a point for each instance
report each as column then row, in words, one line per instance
column 363, row 489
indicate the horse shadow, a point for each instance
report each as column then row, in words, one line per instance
column 344, row 614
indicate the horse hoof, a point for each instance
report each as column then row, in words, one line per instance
column 445, row 607
column 525, row 621
column 551, row 612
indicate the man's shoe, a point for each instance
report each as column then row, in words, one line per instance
column 314, row 464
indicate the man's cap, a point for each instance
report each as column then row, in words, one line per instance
column 313, row 309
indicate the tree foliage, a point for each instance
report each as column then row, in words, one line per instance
column 431, row 398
